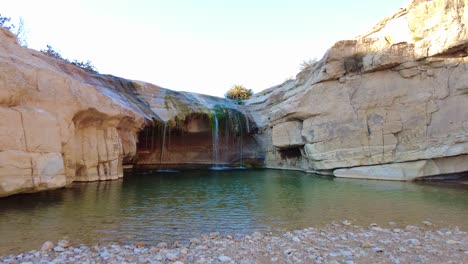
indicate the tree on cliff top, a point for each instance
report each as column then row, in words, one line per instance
column 18, row 30
column 238, row 92
column 85, row 65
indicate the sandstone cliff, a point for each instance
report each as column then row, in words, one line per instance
column 390, row 104
column 59, row 123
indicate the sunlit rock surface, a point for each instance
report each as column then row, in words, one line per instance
column 59, row 123
column 391, row 104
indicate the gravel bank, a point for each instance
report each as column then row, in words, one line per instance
column 336, row 243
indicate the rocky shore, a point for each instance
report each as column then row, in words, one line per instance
column 341, row 242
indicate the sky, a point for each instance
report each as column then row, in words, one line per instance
column 203, row 46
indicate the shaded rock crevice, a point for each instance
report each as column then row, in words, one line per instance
column 392, row 96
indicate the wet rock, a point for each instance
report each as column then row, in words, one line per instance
column 214, row 235
column 427, row 223
column 63, row 243
column 346, row 223
column 47, row 246
column 411, row 228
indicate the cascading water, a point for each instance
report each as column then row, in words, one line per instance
column 215, row 131
column 163, row 143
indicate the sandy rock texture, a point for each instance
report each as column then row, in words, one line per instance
column 60, row 123
column 390, row 104
column 55, row 125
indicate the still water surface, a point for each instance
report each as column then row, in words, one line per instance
column 152, row 207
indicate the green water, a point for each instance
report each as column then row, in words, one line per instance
column 156, row 207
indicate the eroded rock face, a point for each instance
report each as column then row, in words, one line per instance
column 391, row 104
column 60, row 124
column 56, row 127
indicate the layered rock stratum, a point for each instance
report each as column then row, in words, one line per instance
column 391, row 104
column 60, row 123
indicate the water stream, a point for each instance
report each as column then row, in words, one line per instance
column 215, row 133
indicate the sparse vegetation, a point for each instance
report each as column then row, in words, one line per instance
column 5, row 22
column 20, row 33
column 308, row 63
column 18, row 30
column 354, row 63
column 239, row 93
column 49, row 51
column 87, row 65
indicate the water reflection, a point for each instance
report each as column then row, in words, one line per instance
column 155, row 207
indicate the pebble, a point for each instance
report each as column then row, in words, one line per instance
column 411, row 228
column 59, row 249
column 47, row 246
column 346, row 223
column 162, row 245
column 63, row 243
column 172, row 256
column 414, row 242
column 452, row 242
column 223, row 258
column 427, row 223
column 104, row 255
column 377, row 250
column 367, row 244
column 335, row 243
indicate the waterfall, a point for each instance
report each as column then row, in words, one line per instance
column 152, row 136
column 163, row 143
column 225, row 149
column 215, row 132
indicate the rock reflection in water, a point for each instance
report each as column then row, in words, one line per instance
column 164, row 206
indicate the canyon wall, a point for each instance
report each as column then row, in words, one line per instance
column 60, row 123
column 55, row 126
column 391, row 104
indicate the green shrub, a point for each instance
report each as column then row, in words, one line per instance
column 49, row 51
column 354, row 63
column 18, row 30
column 88, row 66
column 238, row 93
column 85, row 65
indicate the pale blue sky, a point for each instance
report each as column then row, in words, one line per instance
column 203, row 46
